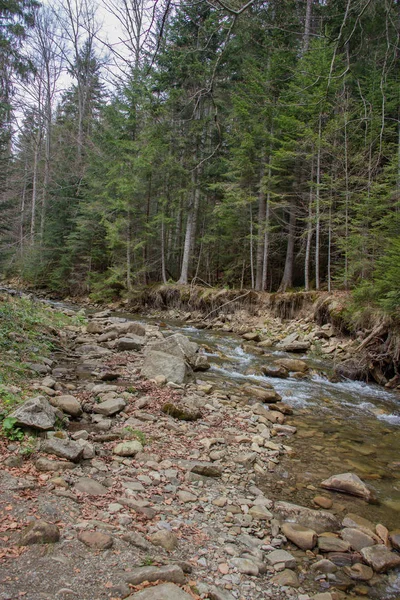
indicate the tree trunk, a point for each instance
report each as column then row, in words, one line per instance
column 261, row 229
column 190, row 228
column 317, row 206
column 287, row 279
column 309, row 232
column 307, row 26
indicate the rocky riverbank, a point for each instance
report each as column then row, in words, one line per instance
column 143, row 481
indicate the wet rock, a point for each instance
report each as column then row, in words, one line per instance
column 318, row 520
column 170, row 573
column 292, row 364
column 36, row 413
column 165, row 539
column 265, row 395
column 332, row 544
column 349, row 483
column 68, row 404
column 380, row 558
column 302, row 537
column 131, row 342
column 46, row 465
column 287, row 577
column 275, row 371
column 359, row 572
column 355, row 521
column 39, row 532
column 357, row 539
column 90, row 486
column 110, row 407
column 201, row 363
column 128, row 448
column 323, row 502
column 165, row 591
column 173, row 368
column 281, row 557
column 95, row 540
column 67, row 449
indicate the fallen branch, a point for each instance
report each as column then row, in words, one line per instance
column 375, row 333
column 226, row 303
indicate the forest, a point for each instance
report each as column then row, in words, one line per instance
column 224, row 143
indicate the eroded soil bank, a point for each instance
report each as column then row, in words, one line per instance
column 162, row 474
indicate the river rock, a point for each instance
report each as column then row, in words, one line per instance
column 165, row 591
column 245, row 566
column 395, row 539
column 281, row 557
column 265, row 395
column 380, row 558
column 176, row 345
column 359, row 572
column 92, row 350
column 275, row 371
column 95, row 540
column 357, row 539
column 318, row 520
column 67, row 449
column 260, row 513
column 287, row 577
column 95, row 327
column 332, row 544
column 218, row 593
column 173, row 368
column 46, row 465
column 165, row 539
column 124, row 328
column 303, row 537
column 349, row 483
column 355, row 521
column 36, row 413
column 128, row 448
column 110, row 407
column 207, row 469
column 170, row 573
column 292, row 364
column 201, row 363
column 296, row 346
column 131, row 342
column 39, row 532
column 90, row 486
column 324, row 566
column 68, row 404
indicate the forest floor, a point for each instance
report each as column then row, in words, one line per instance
column 120, row 497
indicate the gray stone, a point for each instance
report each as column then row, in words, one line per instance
column 281, row 557
column 177, row 345
column 332, row 544
column 131, row 342
column 170, row 573
column 173, row 368
column 380, row 558
column 357, row 538
column 201, row 363
column 359, row 572
column 260, row 513
column 165, row 539
column 265, row 395
column 318, row 520
column 324, row 566
column 92, row 350
column 165, row 591
column 67, row 449
column 36, row 413
column 294, row 346
column 96, row 540
column 349, row 483
column 302, row 537
column 136, row 539
column 207, row 469
column 217, row 593
column 110, row 407
column 90, row 486
column 128, row 448
column 46, row 465
column 39, row 532
column 245, row 566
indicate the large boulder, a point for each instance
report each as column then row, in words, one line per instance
column 380, row 558
column 36, row 413
column 318, row 520
column 110, row 407
column 67, row 449
column 349, row 483
column 177, row 345
column 68, row 404
column 172, row 367
column 131, row 342
column 292, row 364
column 122, row 329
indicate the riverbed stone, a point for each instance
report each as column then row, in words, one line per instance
column 281, row 557
column 206, row 469
column 260, row 513
column 359, row 572
column 380, row 558
column 176, row 345
column 292, row 364
column 36, row 413
column 287, row 577
column 165, row 591
column 110, row 407
column 357, row 539
column 173, row 368
column 323, row 502
column 170, row 573
column 318, row 520
column 47, row 465
column 395, row 539
column 355, row 521
column 265, row 395
column 90, row 486
column 332, row 544
column 131, row 342
column 275, row 371
column 349, row 483
column 68, row 404
column 67, row 449
column 324, row 566
column 96, row 540
column 302, row 537
column 128, row 448
column 39, row 532
column 165, row 539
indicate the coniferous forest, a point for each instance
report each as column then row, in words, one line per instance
column 242, row 144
